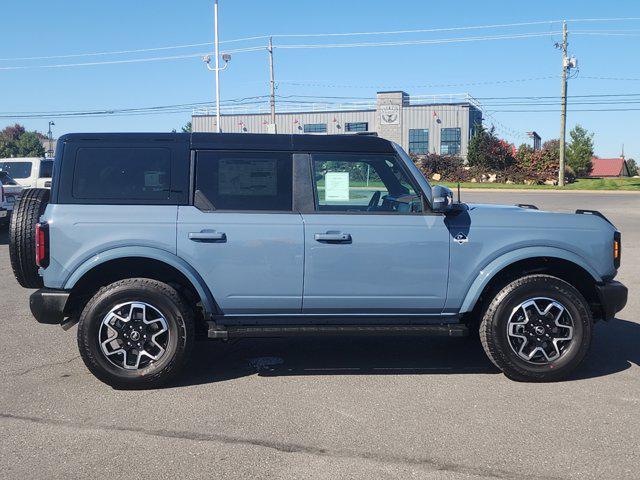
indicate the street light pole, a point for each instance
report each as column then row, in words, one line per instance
column 50, row 138
column 217, row 67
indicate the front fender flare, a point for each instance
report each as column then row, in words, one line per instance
column 170, row 259
column 496, row 265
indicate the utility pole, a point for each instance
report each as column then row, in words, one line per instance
column 563, row 113
column 273, row 87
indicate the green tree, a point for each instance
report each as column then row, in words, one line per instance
column 187, row 128
column 580, row 151
column 29, row 145
column 633, row 167
column 15, row 141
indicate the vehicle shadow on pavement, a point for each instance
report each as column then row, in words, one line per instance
column 215, row 362
column 614, row 349
column 4, row 235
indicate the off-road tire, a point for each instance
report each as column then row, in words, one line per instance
column 22, row 236
column 163, row 298
column 493, row 328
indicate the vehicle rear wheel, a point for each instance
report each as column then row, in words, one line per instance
column 538, row 328
column 22, row 236
column 136, row 333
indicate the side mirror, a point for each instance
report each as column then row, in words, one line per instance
column 442, row 198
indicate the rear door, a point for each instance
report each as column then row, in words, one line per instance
column 241, row 232
column 369, row 246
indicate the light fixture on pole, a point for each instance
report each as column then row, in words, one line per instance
column 225, row 57
column 50, row 138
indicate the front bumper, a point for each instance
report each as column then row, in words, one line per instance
column 613, row 298
column 47, row 305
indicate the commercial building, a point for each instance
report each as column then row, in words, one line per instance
column 434, row 124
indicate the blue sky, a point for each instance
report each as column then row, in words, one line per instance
column 39, row 28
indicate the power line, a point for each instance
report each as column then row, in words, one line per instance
column 429, row 85
column 134, row 60
column 415, row 42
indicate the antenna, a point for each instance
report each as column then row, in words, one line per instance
column 459, row 193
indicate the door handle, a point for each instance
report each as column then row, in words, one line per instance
column 333, row 237
column 208, row 237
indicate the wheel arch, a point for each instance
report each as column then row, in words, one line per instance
column 145, row 262
column 553, row 261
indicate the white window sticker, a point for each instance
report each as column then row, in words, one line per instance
column 336, row 185
column 248, row 177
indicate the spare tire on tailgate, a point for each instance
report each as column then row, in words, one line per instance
column 22, row 236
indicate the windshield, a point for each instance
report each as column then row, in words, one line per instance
column 16, row 169
column 5, row 179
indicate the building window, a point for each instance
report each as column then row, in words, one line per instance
column 419, row 141
column 315, row 128
column 356, row 127
column 450, row 141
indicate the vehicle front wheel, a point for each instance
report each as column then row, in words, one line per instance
column 135, row 333
column 537, row 328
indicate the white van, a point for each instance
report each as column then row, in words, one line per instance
column 33, row 172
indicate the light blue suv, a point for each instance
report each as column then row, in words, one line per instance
column 149, row 241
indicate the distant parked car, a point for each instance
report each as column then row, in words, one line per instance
column 3, row 211
column 11, row 190
column 29, row 172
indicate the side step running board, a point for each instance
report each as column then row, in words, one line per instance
column 447, row 330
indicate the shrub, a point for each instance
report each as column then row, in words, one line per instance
column 450, row 168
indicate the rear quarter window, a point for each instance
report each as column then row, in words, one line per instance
column 135, row 174
column 17, row 170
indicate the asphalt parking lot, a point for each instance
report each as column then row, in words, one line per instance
column 328, row 408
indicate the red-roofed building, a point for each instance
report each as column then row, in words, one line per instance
column 609, row 167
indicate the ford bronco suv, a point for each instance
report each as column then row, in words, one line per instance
column 149, row 241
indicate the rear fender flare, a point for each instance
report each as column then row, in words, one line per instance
column 170, row 259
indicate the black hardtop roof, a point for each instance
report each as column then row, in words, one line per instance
column 248, row 141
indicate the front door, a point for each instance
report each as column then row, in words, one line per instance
column 369, row 247
column 241, row 233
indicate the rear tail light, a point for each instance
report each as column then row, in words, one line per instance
column 617, row 249
column 42, row 245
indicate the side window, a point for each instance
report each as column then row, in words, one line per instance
column 244, row 181
column 46, row 168
column 363, row 183
column 133, row 174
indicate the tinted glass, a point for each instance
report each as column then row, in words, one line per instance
column 419, row 141
column 17, row 169
column 450, row 141
column 5, row 179
column 363, row 183
column 315, row 128
column 245, row 181
column 122, row 173
column 356, row 127
column 46, row 169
